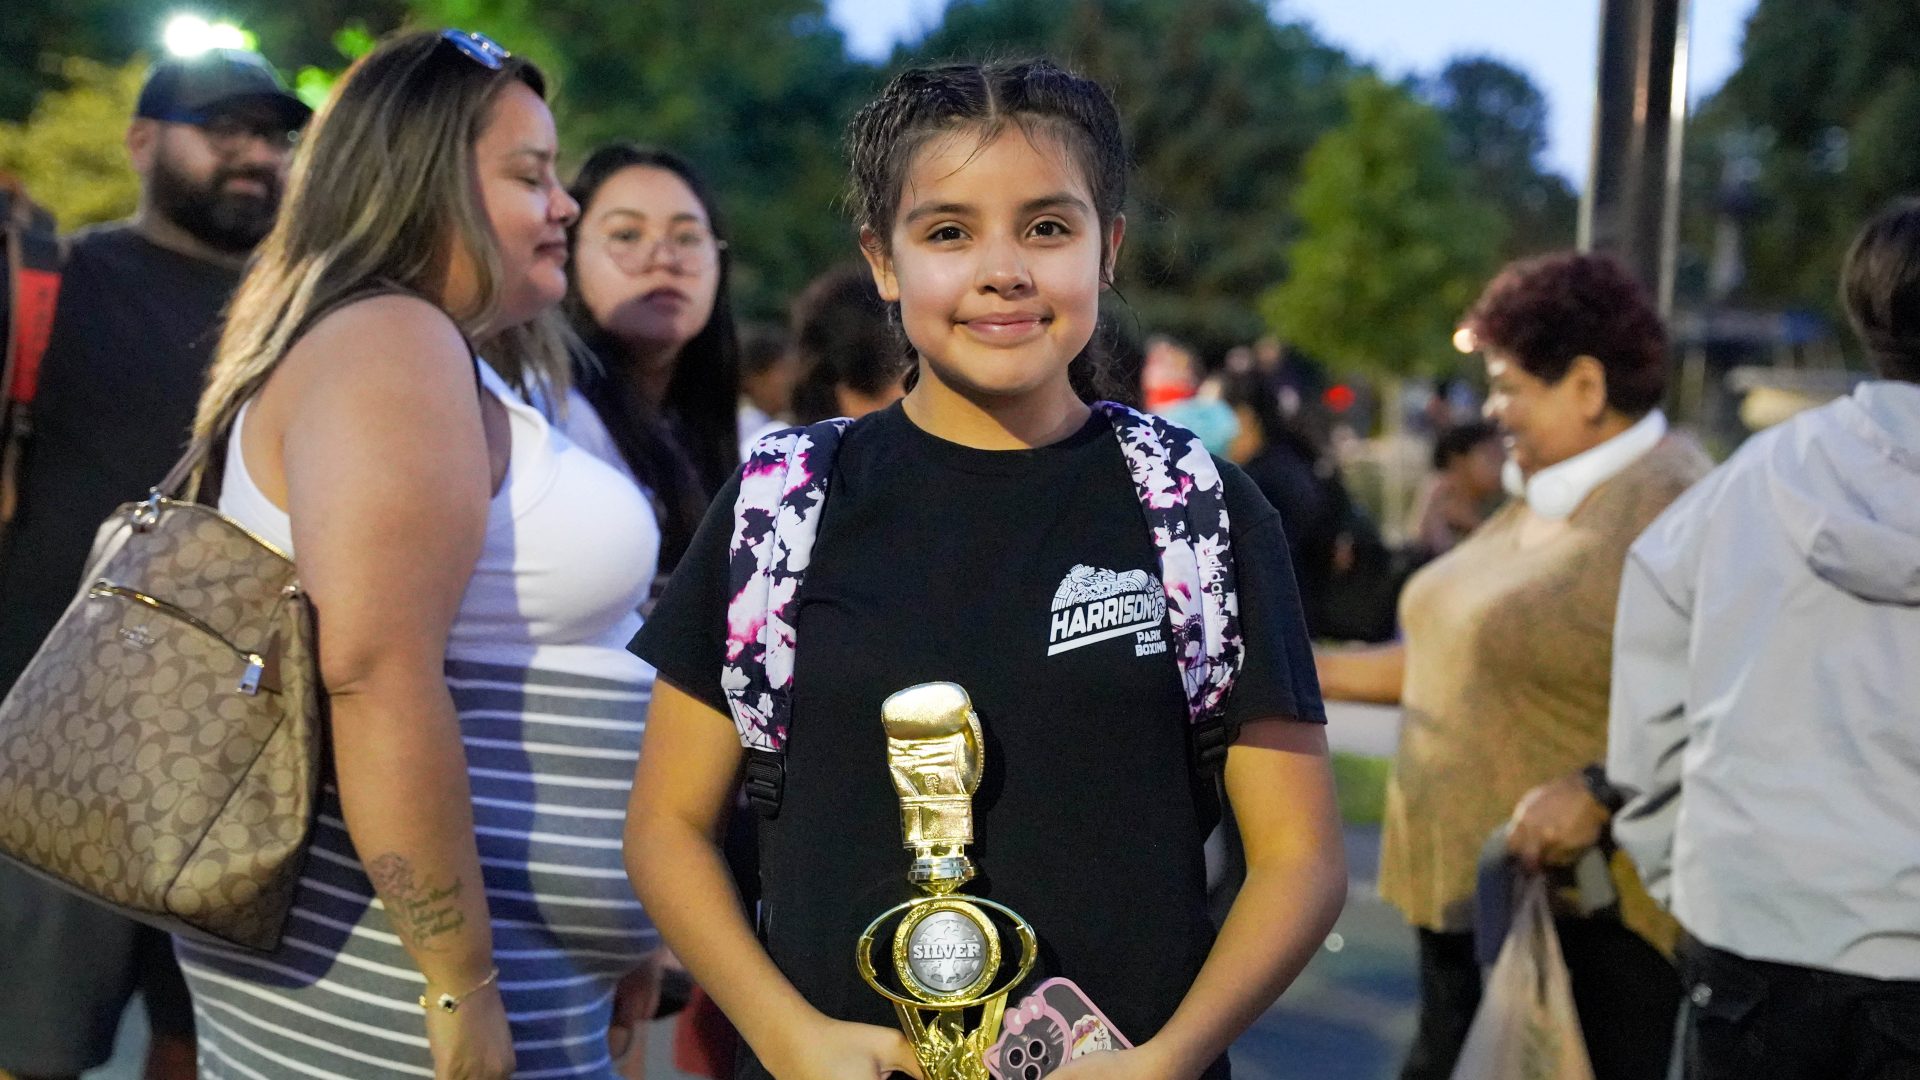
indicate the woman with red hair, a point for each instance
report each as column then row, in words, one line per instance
column 1504, row 668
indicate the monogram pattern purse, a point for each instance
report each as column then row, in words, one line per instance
column 162, row 753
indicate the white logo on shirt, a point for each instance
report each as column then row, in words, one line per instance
column 1094, row 605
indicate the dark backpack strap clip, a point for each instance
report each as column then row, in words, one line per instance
column 1211, row 736
column 764, row 779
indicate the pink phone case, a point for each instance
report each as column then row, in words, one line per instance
column 1050, row 1027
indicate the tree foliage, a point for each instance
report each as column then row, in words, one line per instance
column 71, row 153
column 1496, row 122
column 1811, row 134
column 1395, row 243
column 1222, row 101
column 1220, row 104
column 754, row 92
column 36, row 36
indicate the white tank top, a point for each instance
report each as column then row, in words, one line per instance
column 570, row 551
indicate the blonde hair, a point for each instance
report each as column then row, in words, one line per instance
column 383, row 192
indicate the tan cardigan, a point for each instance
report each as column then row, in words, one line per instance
column 1509, row 657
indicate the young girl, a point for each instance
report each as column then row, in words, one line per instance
column 957, row 523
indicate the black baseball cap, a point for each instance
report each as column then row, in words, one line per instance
column 192, row 89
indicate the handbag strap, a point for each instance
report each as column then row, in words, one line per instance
column 186, row 472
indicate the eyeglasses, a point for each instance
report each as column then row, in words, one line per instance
column 228, row 133
column 684, row 248
column 478, row 48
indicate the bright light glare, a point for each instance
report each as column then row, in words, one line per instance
column 1463, row 340
column 191, row 35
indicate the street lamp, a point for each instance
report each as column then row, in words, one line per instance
column 187, row 34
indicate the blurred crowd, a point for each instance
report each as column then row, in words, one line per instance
column 1683, row 693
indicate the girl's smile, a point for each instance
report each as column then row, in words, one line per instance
column 1008, row 328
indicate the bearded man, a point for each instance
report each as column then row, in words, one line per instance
column 139, row 313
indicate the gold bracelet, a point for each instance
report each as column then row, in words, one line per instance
column 448, row 1003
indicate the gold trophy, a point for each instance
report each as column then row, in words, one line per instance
column 947, row 952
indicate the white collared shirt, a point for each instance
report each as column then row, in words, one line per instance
column 1557, row 490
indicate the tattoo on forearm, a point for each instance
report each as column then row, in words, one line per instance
column 423, row 913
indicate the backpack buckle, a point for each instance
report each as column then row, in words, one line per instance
column 1211, row 737
column 764, row 779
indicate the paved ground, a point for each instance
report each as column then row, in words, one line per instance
column 1351, row 1013
column 1349, row 1017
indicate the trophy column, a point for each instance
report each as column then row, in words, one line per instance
column 947, row 950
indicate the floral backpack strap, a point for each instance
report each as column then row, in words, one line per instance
column 1186, row 509
column 783, row 486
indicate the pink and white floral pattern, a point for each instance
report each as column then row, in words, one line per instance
column 783, row 487
column 1186, row 507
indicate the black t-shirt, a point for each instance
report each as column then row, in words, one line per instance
column 132, row 336
column 936, row 561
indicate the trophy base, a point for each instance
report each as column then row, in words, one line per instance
column 944, row 1046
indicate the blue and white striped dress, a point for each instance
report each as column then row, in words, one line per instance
column 551, row 711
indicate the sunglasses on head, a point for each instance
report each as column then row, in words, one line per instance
column 478, row 48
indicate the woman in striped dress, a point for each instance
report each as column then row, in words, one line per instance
column 464, row 912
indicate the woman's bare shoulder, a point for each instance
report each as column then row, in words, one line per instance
column 380, row 342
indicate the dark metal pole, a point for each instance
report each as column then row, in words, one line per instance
column 1631, row 205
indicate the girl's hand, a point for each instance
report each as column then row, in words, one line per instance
column 1140, row 1063
column 838, row 1050
column 635, row 998
column 473, row 1042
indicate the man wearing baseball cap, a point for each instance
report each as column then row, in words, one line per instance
column 138, row 315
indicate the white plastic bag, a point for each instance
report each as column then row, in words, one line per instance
column 1526, row 1027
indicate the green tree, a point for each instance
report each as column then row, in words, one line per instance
column 70, row 153
column 36, row 35
column 69, row 149
column 314, row 82
column 1810, row 135
column 755, row 92
column 1395, row 246
column 1496, row 122
column 1220, row 105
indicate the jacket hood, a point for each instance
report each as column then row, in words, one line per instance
column 1845, row 481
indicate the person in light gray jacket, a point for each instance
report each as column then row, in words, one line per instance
column 1765, row 717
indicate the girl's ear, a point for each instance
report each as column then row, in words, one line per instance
column 1116, row 233
column 880, row 264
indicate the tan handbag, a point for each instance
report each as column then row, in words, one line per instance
column 162, row 753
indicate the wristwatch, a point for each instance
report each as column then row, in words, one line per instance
column 1604, row 793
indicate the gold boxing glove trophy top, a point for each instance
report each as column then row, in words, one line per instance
column 946, row 950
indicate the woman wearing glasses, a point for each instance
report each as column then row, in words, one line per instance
column 474, row 575
column 650, row 298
